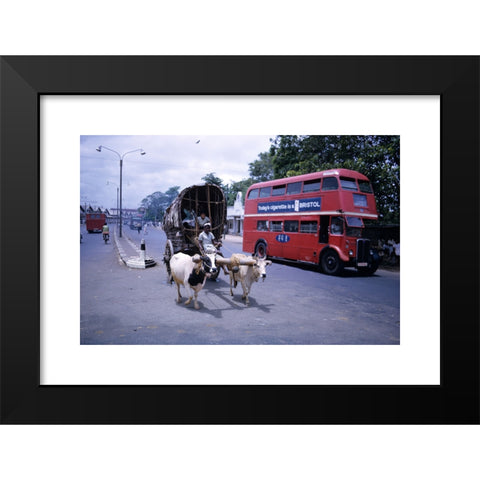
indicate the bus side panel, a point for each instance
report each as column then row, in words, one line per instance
column 275, row 248
column 285, row 245
column 309, row 248
column 249, row 238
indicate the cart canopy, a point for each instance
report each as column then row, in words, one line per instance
column 180, row 221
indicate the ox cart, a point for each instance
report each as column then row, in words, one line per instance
column 181, row 224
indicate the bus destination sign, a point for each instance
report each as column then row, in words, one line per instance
column 290, row 206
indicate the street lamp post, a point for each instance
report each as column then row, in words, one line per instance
column 108, row 183
column 121, row 157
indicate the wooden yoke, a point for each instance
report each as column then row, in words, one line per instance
column 228, row 261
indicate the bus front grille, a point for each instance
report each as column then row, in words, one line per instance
column 363, row 250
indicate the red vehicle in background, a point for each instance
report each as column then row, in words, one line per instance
column 315, row 218
column 94, row 222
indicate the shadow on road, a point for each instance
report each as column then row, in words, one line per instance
column 310, row 267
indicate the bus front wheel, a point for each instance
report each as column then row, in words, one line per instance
column 261, row 249
column 331, row 263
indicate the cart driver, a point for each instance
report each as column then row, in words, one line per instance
column 208, row 242
column 207, row 239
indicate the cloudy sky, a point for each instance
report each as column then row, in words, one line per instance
column 170, row 160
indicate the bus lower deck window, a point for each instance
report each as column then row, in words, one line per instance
column 276, row 226
column 308, row 226
column 336, row 226
column 291, row 226
column 262, row 225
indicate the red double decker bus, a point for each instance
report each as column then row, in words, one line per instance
column 315, row 218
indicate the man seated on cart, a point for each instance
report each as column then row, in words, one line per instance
column 210, row 244
column 189, row 218
column 202, row 220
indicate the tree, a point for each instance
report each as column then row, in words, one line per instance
column 155, row 204
column 212, row 178
column 261, row 169
column 235, row 187
column 376, row 156
column 285, row 152
column 172, row 193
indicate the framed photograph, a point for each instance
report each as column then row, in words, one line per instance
column 57, row 370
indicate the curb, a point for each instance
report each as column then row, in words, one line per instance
column 142, row 261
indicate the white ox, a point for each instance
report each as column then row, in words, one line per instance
column 191, row 272
column 250, row 269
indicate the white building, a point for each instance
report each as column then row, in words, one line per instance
column 235, row 216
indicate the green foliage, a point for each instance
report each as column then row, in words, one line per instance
column 377, row 157
column 212, row 178
column 261, row 169
column 229, row 190
column 235, row 187
column 155, row 204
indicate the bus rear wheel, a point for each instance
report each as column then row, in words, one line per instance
column 261, row 249
column 331, row 263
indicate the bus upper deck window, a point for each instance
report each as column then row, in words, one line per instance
column 293, row 188
column 278, row 190
column 265, row 192
column 311, row 186
column 365, row 186
column 253, row 194
column 348, row 183
column 329, row 183
column 360, row 200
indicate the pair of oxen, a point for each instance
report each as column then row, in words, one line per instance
column 191, row 272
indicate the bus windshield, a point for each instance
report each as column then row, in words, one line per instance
column 354, row 222
column 354, row 227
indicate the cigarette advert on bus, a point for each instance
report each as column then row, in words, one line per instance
column 310, row 205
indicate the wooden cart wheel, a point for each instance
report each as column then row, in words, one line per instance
column 167, row 257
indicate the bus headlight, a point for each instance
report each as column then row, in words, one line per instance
column 350, row 252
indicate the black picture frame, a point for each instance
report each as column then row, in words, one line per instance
column 25, row 78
